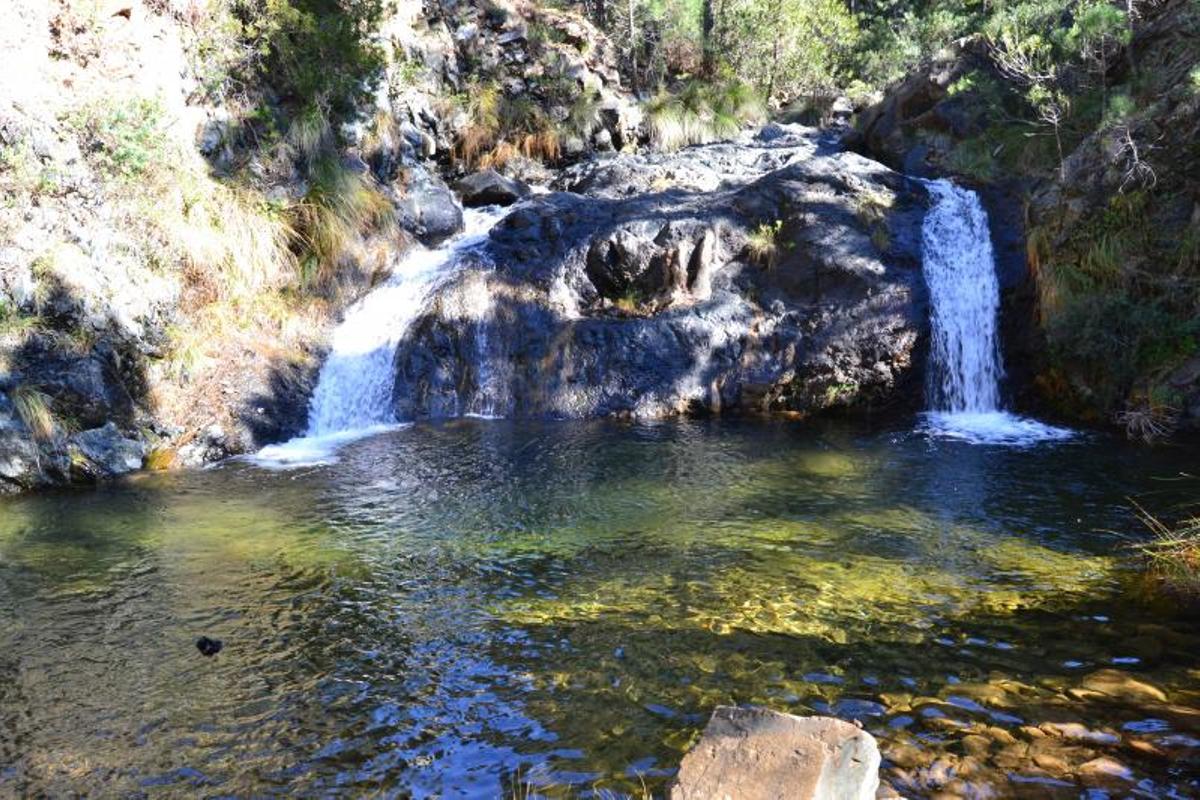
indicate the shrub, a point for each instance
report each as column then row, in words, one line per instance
column 1110, row 339
column 762, row 245
column 311, row 50
column 126, row 137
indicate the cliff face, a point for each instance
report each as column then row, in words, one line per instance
column 166, row 276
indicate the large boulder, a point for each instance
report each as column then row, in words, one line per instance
column 428, row 209
column 792, row 284
column 107, row 452
column 490, row 188
column 758, row 754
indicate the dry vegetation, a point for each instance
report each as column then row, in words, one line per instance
column 1174, row 553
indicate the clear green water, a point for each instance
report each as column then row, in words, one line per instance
column 456, row 610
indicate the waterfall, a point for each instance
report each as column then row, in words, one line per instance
column 965, row 367
column 353, row 396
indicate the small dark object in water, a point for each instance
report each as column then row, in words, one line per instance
column 208, row 647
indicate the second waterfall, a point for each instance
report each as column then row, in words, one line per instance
column 965, row 367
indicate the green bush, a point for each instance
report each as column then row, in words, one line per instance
column 312, row 51
column 126, row 138
column 1111, row 340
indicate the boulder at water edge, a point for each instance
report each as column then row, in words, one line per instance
column 490, row 188
column 758, row 754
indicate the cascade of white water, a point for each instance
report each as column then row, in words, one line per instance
column 964, row 297
column 354, row 389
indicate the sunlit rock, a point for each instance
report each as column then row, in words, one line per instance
column 753, row 753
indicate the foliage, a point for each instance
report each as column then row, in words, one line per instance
column 1111, row 339
column 125, row 136
column 310, row 51
column 702, row 112
column 789, row 48
column 763, row 244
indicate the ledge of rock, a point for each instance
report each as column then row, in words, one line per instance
column 756, row 754
column 637, row 291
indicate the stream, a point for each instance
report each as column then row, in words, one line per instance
column 462, row 608
column 484, row 608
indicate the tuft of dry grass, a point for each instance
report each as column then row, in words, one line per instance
column 1149, row 422
column 35, row 409
column 1174, row 552
column 541, row 145
column 341, row 208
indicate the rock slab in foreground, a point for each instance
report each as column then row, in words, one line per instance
column 758, row 754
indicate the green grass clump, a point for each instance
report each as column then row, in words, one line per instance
column 763, row 244
column 1174, row 552
column 702, row 112
column 341, row 207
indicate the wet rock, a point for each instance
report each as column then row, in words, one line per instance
column 851, row 708
column 976, row 744
column 626, row 301
column 428, row 209
column 490, row 188
column 108, row 452
column 1076, row 732
column 19, row 461
column 1106, row 772
column 209, row 647
column 1119, row 686
column 753, row 753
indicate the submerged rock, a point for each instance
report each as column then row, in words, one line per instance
column 755, row 753
column 756, row 276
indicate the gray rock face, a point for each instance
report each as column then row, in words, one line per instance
column 490, row 188
column 651, row 303
column 108, row 452
column 757, row 754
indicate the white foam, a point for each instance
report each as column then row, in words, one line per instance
column 991, row 427
column 311, row 451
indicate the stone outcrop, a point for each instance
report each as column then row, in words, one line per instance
column 758, row 754
column 918, row 122
column 490, row 188
column 548, row 58
column 774, row 276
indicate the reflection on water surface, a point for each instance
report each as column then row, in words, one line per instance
column 452, row 610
